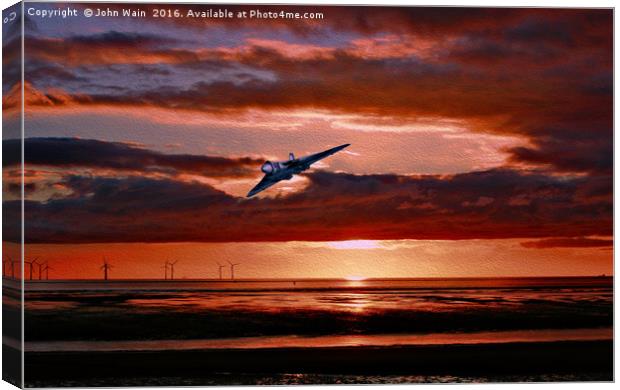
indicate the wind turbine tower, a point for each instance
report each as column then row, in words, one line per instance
column 32, row 263
column 220, row 268
column 165, row 267
column 40, row 267
column 47, row 271
column 105, row 267
column 13, row 266
column 10, row 262
column 232, row 270
column 171, row 265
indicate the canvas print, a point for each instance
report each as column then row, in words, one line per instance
column 211, row 194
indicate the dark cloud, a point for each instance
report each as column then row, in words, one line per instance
column 120, row 39
column 543, row 75
column 16, row 188
column 106, row 48
column 583, row 142
column 478, row 205
column 88, row 153
column 11, row 56
column 579, row 242
column 532, row 30
column 524, row 23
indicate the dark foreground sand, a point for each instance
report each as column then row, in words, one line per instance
column 555, row 361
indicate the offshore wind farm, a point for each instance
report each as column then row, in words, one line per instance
column 38, row 270
column 303, row 324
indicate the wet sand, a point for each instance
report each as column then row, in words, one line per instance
column 380, row 307
column 563, row 360
column 328, row 341
column 326, row 331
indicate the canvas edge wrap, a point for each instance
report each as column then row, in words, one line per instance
column 13, row 224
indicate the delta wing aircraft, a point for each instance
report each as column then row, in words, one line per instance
column 284, row 170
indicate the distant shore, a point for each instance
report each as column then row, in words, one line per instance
column 307, row 284
column 579, row 360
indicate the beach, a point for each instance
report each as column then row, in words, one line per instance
column 92, row 333
column 554, row 361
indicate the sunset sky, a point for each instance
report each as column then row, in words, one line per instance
column 481, row 143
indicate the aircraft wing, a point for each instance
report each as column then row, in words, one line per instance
column 311, row 159
column 262, row 185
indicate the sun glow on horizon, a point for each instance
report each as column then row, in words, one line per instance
column 355, row 278
column 355, row 244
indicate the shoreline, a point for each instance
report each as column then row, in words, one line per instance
column 322, row 341
column 307, row 284
column 577, row 358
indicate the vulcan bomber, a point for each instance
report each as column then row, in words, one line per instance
column 284, row 170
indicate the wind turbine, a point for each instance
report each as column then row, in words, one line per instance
column 220, row 267
column 171, row 264
column 13, row 266
column 40, row 266
column 105, row 267
column 32, row 264
column 232, row 270
column 165, row 267
column 47, row 271
column 4, row 266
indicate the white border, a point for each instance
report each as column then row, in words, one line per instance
column 479, row 3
